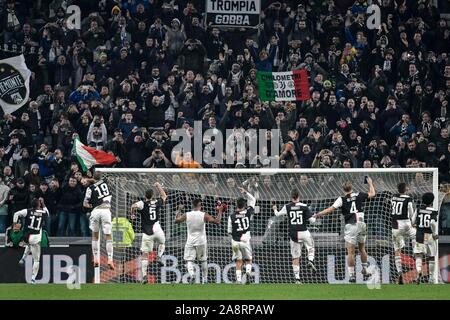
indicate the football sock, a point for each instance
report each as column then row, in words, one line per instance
column 238, row 275
column 109, row 249
column 398, row 264
column 296, row 269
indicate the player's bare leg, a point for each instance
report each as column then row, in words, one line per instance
column 110, row 251
column 418, row 267
column 351, row 261
column 398, row 265
column 363, row 253
column 296, row 268
column 95, row 249
column 239, row 271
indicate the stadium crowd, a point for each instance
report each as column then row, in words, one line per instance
column 139, row 69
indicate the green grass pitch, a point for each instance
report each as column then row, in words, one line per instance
column 223, row 292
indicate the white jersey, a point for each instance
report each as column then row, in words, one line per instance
column 196, row 233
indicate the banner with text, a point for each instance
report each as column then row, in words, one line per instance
column 14, row 83
column 283, row 86
column 233, row 13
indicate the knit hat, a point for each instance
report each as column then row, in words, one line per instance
column 177, row 21
column 115, row 9
column 34, row 166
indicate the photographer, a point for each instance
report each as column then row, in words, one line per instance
column 157, row 160
column 97, row 134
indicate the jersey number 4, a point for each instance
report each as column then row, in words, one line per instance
column 296, row 217
column 102, row 190
column 243, row 224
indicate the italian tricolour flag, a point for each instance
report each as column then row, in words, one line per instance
column 88, row 157
column 283, row 86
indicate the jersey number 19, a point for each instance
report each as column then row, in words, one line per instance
column 102, row 190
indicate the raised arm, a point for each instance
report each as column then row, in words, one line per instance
column 181, row 217
column 282, row 212
column 161, row 191
column 135, row 207
column 251, row 200
column 336, row 205
column 371, row 192
column 411, row 213
column 214, row 220
column 87, row 198
column 434, row 227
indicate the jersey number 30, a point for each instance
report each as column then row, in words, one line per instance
column 397, row 208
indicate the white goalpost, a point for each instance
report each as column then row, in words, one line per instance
column 272, row 261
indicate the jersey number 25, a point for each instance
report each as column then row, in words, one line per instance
column 296, row 217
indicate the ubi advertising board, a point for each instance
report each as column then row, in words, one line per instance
column 271, row 265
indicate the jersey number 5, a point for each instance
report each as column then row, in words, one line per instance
column 152, row 212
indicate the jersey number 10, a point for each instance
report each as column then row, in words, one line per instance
column 242, row 223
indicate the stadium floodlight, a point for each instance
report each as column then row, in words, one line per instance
column 272, row 260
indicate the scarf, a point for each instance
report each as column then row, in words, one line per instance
column 12, row 19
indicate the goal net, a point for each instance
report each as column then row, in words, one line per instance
column 272, row 261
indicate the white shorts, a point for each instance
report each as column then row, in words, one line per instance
column 34, row 243
column 192, row 252
column 404, row 231
column 304, row 238
column 100, row 217
column 428, row 247
column 242, row 250
column 355, row 233
column 148, row 241
column 34, row 239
